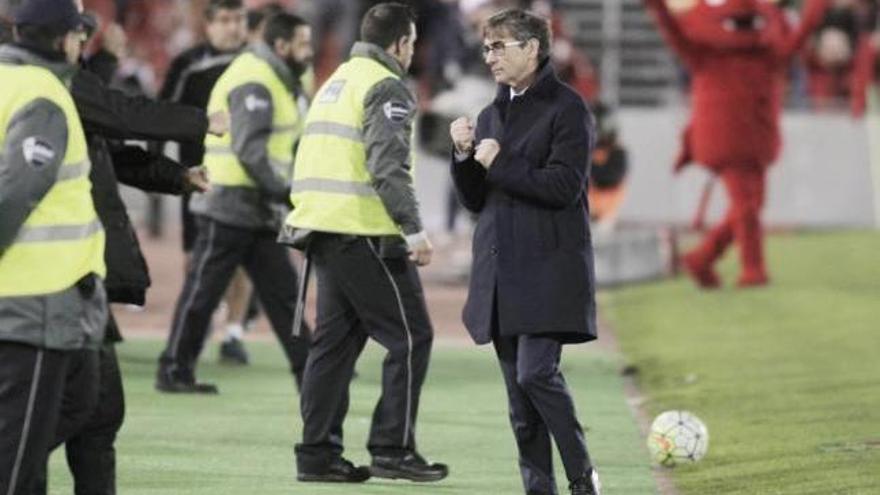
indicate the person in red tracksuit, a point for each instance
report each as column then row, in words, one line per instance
column 737, row 52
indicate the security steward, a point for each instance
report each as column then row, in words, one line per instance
column 356, row 215
column 239, row 219
column 52, row 299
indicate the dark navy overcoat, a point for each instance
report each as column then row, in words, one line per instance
column 532, row 255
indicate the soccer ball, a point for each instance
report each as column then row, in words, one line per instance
column 677, row 437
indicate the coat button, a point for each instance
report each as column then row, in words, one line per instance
column 494, row 251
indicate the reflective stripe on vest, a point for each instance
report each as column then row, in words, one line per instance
column 55, row 233
column 332, row 189
column 223, row 166
column 61, row 240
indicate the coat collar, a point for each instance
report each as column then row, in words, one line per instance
column 18, row 54
column 262, row 51
column 375, row 52
column 544, row 81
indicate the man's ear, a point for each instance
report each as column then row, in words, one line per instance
column 281, row 46
column 400, row 43
column 681, row 6
column 534, row 45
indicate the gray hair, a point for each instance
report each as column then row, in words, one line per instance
column 523, row 26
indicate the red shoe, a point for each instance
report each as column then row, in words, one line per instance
column 752, row 279
column 703, row 275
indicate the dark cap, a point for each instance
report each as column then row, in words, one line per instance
column 60, row 16
column 89, row 22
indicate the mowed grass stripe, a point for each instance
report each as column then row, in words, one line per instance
column 241, row 442
column 786, row 377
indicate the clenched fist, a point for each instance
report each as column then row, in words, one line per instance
column 486, row 152
column 218, row 123
column 462, row 132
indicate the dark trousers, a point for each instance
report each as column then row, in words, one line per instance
column 219, row 250
column 362, row 295
column 31, row 387
column 540, row 408
column 93, row 407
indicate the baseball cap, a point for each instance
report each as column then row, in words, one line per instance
column 59, row 15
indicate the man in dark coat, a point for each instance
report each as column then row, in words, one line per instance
column 531, row 288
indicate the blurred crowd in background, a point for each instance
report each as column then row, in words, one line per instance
column 834, row 73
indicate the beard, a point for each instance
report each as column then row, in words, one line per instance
column 298, row 67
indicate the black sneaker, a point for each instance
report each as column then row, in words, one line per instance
column 173, row 383
column 588, row 484
column 232, row 351
column 411, row 467
column 341, row 470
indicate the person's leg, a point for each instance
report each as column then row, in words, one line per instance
column 31, row 388
column 700, row 261
column 277, row 283
column 218, row 251
column 745, row 190
column 538, row 374
column 91, row 455
column 79, row 400
column 238, row 297
column 529, row 429
column 388, row 298
column 336, row 344
column 81, row 394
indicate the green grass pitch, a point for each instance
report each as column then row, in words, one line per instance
column 787, row 378
column 241, row 442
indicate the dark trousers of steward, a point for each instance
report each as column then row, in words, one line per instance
column 31, row 389
column 362, row 295
column 92, row 411
column 219, row 250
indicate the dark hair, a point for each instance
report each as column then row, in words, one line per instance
column 522, row 26
column 386, row 23
column 281, row 26
column 215, row 5
column 44, row 38
column 255, row 17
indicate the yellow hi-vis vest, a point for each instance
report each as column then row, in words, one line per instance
column 223, row 166
column 61, row 240
column 331, row 189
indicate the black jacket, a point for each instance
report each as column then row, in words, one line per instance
column 109, row 114
column 532, row 255
column 190, row 79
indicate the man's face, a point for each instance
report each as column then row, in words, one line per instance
column 405, row 47
column 73, row 45
column 226, row 29
column 297, row 52
column 509, row 60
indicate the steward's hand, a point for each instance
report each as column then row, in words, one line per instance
column 420, row 248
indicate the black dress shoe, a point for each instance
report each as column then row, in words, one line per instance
column 411, row 467
column 173, row 383
column 339, row 471
column 588, row 484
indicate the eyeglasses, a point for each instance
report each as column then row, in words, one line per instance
column 499, row 47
